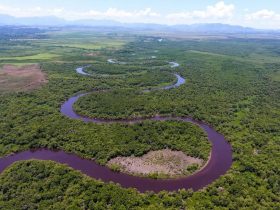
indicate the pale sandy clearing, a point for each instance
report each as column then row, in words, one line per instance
column 167, row 162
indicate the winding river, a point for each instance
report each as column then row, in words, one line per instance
column 220, row 159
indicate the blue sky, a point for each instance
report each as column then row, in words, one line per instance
column 260, row 13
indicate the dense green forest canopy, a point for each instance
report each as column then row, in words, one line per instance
column 232, row 84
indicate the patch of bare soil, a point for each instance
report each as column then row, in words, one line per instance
column 93, row 54
column 23, row 78
column 166, row 163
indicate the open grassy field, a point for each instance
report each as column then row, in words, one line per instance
column 276, row 76
column 37, row 57
column 58, row 46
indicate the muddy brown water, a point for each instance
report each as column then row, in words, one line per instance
column 219, row 163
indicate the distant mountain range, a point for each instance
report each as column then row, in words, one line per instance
column 55, row 21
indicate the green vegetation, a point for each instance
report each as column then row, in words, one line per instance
column 31, row 45
column 104, row 142
column 46, row 185
column 232, row 85
column 191, row 168
column 115, row 167
column 39, row 57
column 117, row 104
column 158, row 176
column 94, row 46
column 135, row 75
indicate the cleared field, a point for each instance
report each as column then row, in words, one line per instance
column 94, row 46
column 85, row 41
column 21, row 78
column 41, row 56
column 275, row 76
column 59, row 47
column 254, row 57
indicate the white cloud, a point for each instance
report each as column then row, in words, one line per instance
column 219, row 11
column 263, row 15
column 263, row 19
column 117, row 13
column 111, row 13
column 145, row 15
column 8, row 10
column 30, row 12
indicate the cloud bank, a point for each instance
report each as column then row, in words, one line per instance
column 219, row 12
